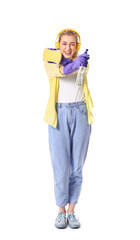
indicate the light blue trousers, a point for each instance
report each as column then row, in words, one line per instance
column 68, row 144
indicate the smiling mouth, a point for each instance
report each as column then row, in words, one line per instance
column 68, row 53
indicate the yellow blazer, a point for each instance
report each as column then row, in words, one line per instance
column 53, row 73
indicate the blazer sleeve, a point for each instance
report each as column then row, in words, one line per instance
column 52, row 70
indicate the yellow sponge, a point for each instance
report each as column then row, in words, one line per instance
column 53, row 55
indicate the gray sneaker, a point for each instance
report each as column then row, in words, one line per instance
column 61, row 221
column 73, row 220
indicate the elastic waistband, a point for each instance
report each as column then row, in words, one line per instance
column 70, row 104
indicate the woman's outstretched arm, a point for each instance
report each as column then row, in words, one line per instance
column 54, row 70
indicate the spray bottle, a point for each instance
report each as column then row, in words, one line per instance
column 80, row 74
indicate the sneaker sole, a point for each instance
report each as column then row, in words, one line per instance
column 73, row 226
column 60, row 227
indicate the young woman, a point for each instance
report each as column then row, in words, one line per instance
column 69, row 119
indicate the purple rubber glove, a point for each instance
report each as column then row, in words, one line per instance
column 65, row 61
column 81, row 60
column 84, row 62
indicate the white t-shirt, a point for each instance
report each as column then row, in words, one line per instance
column 68, row 90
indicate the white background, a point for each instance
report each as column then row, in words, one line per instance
column 108, row 206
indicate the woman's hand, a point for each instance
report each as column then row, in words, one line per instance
column 84, row 55
column 81, row 60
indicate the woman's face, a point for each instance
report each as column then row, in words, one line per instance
column 68, row 46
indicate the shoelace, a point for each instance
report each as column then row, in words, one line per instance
column 61, row 217
column 72, row 217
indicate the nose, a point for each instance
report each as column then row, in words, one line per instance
column 68, row 47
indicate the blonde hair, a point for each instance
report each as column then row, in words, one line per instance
column 70, row 33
